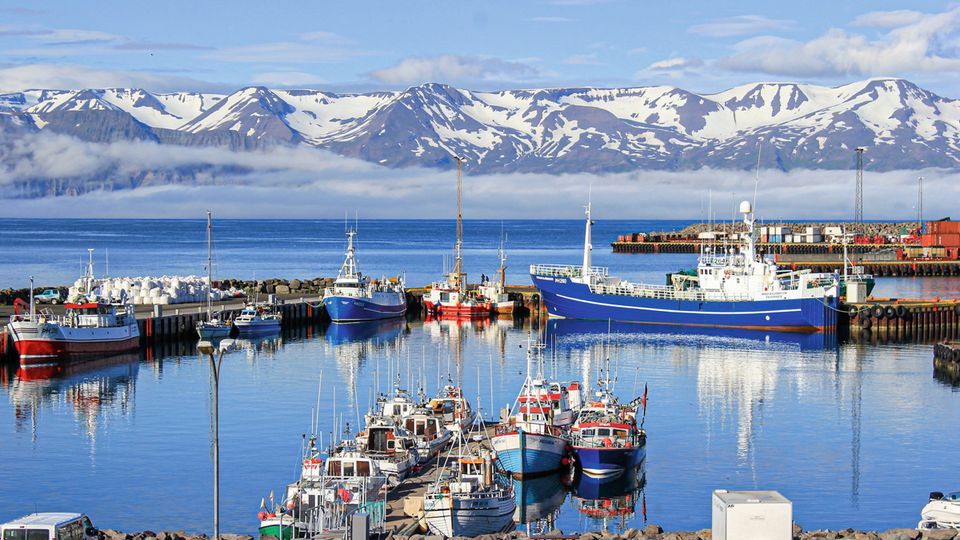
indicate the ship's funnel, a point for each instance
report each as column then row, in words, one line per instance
column 745, row 207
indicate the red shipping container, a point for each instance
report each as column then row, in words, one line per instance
column 948, row 240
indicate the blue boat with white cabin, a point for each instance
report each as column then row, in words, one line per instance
column 355, row 297
column 732, row 288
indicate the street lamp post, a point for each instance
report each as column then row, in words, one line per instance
column 205, row 347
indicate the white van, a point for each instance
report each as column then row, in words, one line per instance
column 50, row 526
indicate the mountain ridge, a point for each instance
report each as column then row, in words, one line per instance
column 562, row 130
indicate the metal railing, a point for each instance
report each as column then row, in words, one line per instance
column 566, row 270
column 665, row 292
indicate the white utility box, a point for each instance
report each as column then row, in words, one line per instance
column 751, row 515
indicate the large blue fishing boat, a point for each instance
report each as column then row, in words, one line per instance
column 733, row 288
column 354, row 297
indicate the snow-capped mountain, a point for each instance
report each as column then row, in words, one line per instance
column 562, row 130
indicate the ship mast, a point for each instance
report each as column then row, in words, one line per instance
column 457, row 275
column 209, row 265
column 502, row 271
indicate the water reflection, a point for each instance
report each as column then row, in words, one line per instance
column 89, row 389
column 572, row 332
column 539, row 501
column 610, row 505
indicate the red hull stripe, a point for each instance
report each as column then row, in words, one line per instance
column 33, row 352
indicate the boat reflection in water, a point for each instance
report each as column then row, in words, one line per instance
column 375, row 331
column 570, row 332
column 610, row 503
column 90, row 388
column 538, row 502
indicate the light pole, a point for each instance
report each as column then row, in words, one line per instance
column 207, row 348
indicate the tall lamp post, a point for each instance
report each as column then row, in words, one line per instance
column 207, row 348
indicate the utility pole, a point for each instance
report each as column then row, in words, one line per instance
column 858, row 204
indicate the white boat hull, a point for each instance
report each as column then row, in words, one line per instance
column 452, row 516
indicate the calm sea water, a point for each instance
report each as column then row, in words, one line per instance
column 856, row 435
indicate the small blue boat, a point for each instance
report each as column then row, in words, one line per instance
column 354, row 297
column 735, row 288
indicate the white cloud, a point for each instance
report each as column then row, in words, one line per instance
column 71, row 77
column 302, row 182
column 928, row 44
column 739, row 25
column 453, row 68
column 887, row 19
column 671, row 64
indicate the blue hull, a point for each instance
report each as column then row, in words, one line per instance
column 606, row 462
column 383, row 306
column 529, row 461
column 564, row 298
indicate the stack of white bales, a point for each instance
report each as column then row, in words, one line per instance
column 156, row 290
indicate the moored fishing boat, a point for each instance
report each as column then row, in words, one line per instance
column 214, row 327
column 451, row 297
column 532, row 440
column 606, row 439
column 495, row 291
column 354, row 297
column 91, row 325
column 390, row 446
column 429, row 431
column 257, row 319
column 468, row 498
column 452, row 408
column 326, row 494
column 737, row 289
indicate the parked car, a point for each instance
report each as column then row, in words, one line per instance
column 50, row 526
column 51, row 296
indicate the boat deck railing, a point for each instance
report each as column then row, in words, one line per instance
column 666, row 292
column 565, row 270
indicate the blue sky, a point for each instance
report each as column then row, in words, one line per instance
column 702, row 46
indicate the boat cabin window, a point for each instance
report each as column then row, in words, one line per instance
column 588, row 432
column 26, row 534
column 334, row 468
column 603, row 432
column 363, row 468
column 348, row 469
column 348, row 285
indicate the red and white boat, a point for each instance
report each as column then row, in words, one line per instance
column 451, row 297
column 90, row 326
